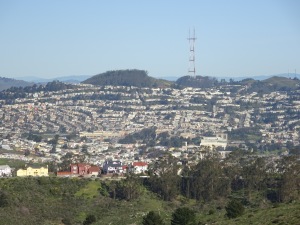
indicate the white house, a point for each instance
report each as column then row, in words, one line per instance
column 112, row 167
column 139, row 167
column 5, row 171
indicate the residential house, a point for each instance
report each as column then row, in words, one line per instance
column 110, row 167
column 5, row 171
column 35, row 171
column 80, row 169
column 139, row 167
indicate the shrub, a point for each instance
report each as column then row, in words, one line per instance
column 234, row 209
column 89, row 220
column 183, row 216
column 152, row 218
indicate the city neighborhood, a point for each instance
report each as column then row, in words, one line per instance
column 90, row 123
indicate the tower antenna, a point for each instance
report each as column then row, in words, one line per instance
column 192, row 67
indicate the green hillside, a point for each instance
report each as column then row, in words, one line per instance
column 51, row 200
column 137, row 78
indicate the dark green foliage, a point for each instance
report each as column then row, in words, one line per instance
column 36, row 138
column 57, row 86
column 4, row 199
column 137, row 78
column 164, row 179
column 234, row 209
column 244, row 134
column 145, row 135
column 289, row 189
column 197, row 82
column 89, row 220
column 183, row 216
column 152, row 218
column 206, row 181
column 128, row 189
column 149, row 137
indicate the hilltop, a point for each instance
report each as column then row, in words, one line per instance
column 6, row 83
column 137, row 78
column 271, row 84
column 197, row 81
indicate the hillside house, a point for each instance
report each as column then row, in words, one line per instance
column 80, row 169
column 110, row 167
column 139, row 167
column 5, row 171
column 35, row 171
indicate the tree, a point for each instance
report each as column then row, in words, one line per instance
column 164, row 179
column 129, row 188
column 208, row 180
column 254, row 174
column 234, row 209
column 183, row 216
column 290, row 180
column 89, row 220
column 152, row 218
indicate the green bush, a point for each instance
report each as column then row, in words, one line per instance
column 183, row 216
column 234, row 209
column 152, row 218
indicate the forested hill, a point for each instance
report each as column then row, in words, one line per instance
column 137, row 78
column 6, row 83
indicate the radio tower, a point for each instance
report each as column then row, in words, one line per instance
column 192, row 67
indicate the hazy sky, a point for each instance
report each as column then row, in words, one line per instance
column 87, row 37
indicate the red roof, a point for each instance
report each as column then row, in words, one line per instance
column 82, row 164
column 63, row 173
column 94, row 169
column 139, row 164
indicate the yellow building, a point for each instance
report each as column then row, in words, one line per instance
column 35, row 171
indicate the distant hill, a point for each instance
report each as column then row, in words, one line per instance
column 197, row 81
column 67, row 79
column 137, row 78
column 6, row 83
column 271, row 84
column 259, row 77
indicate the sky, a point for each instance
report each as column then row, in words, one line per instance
column 55, row 38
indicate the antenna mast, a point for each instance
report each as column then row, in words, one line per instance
column 192, row 67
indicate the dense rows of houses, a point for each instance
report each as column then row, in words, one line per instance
column 99, row 123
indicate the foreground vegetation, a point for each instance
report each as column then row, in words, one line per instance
column 243, row 189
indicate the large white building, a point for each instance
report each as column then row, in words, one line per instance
column 213, row 142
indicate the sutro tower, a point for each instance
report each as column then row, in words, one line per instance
column 192, row 67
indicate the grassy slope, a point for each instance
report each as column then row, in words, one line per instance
column 282, row 214
column 49, row 200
